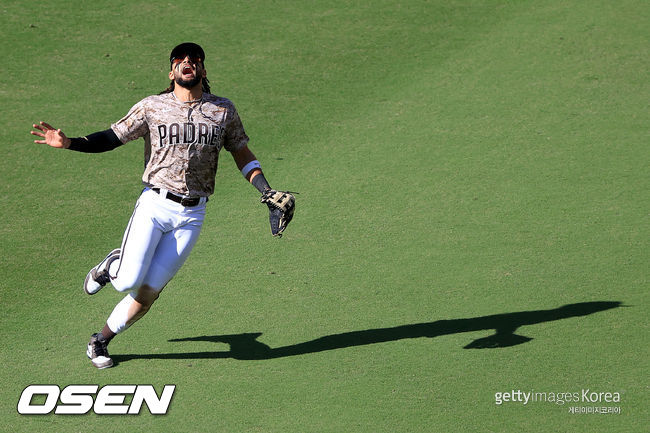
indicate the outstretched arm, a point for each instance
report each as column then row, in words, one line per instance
column 97, row 142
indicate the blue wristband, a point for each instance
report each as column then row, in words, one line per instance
column 250, row 166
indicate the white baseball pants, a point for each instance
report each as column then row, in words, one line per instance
column 156, row 243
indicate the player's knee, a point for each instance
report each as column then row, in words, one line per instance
column 146, row 295
column 127, row 283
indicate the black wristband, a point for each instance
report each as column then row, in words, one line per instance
column 259, row 182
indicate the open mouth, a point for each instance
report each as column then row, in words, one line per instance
column 186, row 70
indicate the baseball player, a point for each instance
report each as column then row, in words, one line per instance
column 184, row 128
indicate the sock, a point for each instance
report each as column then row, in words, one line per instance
column 108, row 333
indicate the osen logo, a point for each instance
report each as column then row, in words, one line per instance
column 80, row 399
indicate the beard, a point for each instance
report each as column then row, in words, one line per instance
column 187, row 84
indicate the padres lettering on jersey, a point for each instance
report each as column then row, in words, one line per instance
column 190, row 133
column 183, row 140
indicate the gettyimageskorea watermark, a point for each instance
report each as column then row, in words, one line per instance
column 585, row 401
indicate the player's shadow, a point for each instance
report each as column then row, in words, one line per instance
column 247, row 347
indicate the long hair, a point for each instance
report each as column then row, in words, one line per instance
column 205, row 85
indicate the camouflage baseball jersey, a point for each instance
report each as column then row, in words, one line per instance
column 182, row 140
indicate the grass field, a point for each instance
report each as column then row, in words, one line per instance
column 473, row 215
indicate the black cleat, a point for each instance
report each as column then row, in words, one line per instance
column 98, row 351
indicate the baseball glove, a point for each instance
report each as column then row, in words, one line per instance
column 281, row 206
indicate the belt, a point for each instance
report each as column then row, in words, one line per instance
column 183, row 201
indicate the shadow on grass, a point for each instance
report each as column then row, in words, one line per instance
column 246, row 347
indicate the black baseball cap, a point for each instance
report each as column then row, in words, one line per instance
column 187, row 48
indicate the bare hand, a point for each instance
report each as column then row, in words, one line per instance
column 53, row 137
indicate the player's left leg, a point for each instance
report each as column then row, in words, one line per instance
column 126, row 312
column 131, row 308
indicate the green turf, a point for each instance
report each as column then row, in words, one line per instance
column 462, row 166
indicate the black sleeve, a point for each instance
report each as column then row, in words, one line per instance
column 97, row 142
